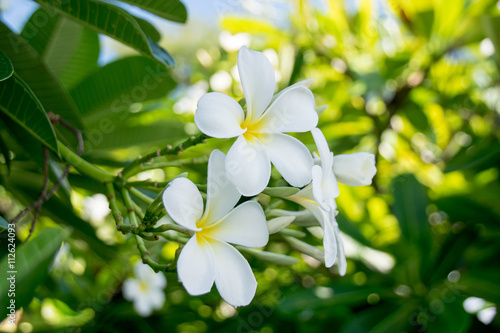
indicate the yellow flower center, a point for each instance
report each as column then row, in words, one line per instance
column 143, row 286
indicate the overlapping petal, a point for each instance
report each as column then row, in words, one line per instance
column 257, row 80
column 234, row 279
column 245, row 225
column 196, row 266
column 183, row 202
column 341, row 261
column 219, row 115
column 248, row 166
column 329, row 243
column 292, row 111
column 222, row 195
column 291, row 157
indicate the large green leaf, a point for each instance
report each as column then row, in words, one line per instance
column 410, row 203
column 31, row 68
column 6, row 68
column 18, row 102
column 112, row 21
column 172, row 10
column 114, row 87
column 31, row 267
column 3, row 147
column 69, row 49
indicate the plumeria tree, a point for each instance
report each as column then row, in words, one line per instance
column 340, row 171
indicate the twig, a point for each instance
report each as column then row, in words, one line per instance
column 44, row 195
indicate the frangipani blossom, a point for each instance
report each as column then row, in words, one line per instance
column 145, row 290
column 207, row 257
column 319, row 198
column 260, row 139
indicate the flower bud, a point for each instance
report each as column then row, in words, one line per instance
column 275, row 258
column 355, row 169
column 279, row 223
column 305, row 248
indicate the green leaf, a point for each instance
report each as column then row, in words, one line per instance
column 398, row 320
column 482, row 282
column 481, row 155
column 5, row 150
column 6, row 68
column 149, row 29
column 18, row 102
column 318, row 298
column 114, row 87
column 32, row 263
column 31, row 68
column 410, row 203
column 447, row 317
column 3, row 224
column 69, row 49
column 112, row 21
column 172, row 10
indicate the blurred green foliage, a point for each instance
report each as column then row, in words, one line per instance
column 416, row 82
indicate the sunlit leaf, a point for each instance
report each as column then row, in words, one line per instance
column 173, row 10
column 18, row 102
column 112, row 21
column 32, row 263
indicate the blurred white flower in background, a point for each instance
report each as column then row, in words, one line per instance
column 145, row 290
column 190, row 98
column 232, row 43
column 96, row 207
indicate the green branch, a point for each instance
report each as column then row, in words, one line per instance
column 135, row 166
column 84, row 167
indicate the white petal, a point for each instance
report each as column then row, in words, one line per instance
column 323, row 149
column 245, row 225
column 306, row 199
column 317, row 188
column 248, row 166
column 145, row 274
column 219, row 115
column 131, row 289
column 329, row 184
column 222, row 195
column 257, row 80
column 196, row 266
column 143, row 306
column 329, row 243
column 355, row 169
column 156, row 298
column 234, row 280
column 304, row 83
column 183, row 202
column 341, row 261
column 292, row 111
column 292, row 159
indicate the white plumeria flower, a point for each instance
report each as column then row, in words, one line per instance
column 319, row 198
column 145, row 290
column 260, row 132
column 207, row 256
